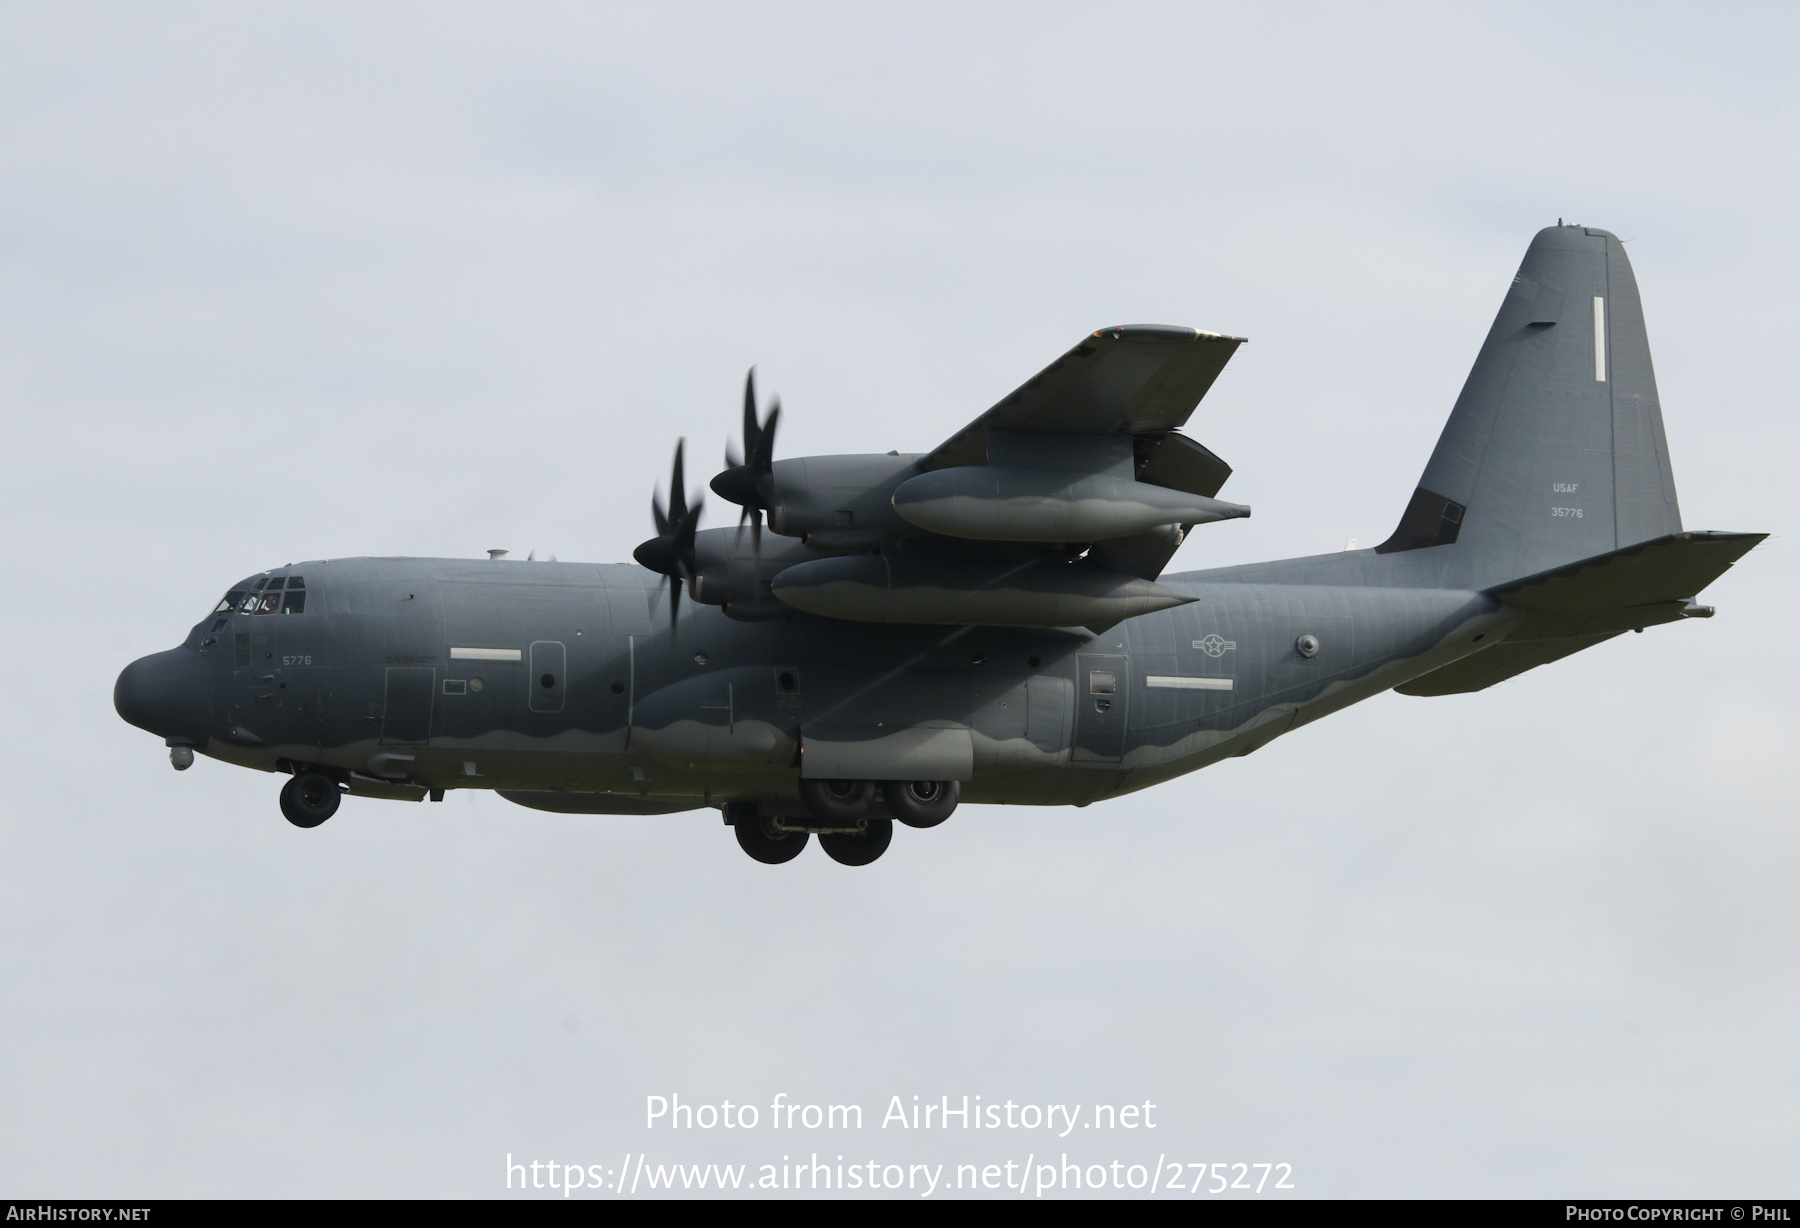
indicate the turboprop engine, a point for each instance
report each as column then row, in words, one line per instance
column 733, row 571
column 841, row 502
column 1058, row 507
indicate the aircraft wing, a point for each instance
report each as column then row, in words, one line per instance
column 1134, row 379
column 1582, row 604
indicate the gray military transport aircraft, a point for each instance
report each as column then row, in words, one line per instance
column 987, row 621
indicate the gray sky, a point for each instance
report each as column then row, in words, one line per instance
column 286, row 283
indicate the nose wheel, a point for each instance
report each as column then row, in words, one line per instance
column 309, row 798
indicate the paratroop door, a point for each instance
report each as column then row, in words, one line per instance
column 1102, row 698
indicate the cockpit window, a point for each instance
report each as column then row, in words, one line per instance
column 266, row 596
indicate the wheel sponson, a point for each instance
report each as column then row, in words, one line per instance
column 921, row 803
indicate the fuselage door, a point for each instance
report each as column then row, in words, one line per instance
column 1102, row 702
column 549, row 665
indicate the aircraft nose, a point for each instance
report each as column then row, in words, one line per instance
column 168, row 693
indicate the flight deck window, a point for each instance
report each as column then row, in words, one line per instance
column 268, row 597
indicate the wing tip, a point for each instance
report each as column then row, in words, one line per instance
column 1160, row 332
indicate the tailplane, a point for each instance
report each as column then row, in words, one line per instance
column 1581, row 604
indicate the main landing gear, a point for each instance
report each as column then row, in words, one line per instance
column 838, row 813
column 858, row 848
column 309, row 798
column 921, row 803
column 761, row 837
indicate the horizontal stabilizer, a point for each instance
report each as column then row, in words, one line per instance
column 1579, row 605
column 1504, row 660
column 1670, row 568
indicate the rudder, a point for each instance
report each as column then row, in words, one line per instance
column 1555, row 449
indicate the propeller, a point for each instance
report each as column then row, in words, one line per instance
column 671, row 552
column 749, row 480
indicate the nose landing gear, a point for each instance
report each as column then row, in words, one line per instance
column 309, row 798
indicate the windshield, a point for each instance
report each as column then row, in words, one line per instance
column 268, row 595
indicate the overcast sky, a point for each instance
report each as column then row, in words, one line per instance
column 280, row 283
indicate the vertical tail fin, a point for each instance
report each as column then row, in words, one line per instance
column 1555, row 449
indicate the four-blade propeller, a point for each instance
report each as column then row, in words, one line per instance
column 671, row 551
column 749, row 480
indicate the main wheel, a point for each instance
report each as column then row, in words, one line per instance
column 921, row 803
column 309, row 799
column 861, row 849
column 834, row 802
column 758, row 837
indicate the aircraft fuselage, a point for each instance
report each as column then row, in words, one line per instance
column 409, row 675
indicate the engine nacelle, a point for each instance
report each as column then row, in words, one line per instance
column 841, row 502
column 729, row 572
